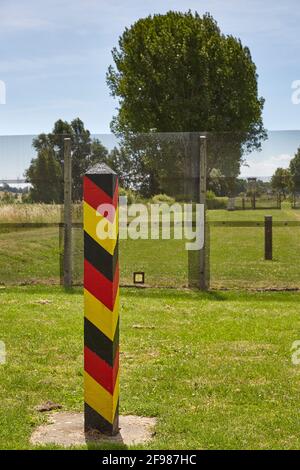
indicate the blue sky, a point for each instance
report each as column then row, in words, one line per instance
column 54, row 55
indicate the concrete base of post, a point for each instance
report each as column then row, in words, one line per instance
column 67, row 429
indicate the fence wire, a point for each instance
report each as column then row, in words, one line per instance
column 152, row 168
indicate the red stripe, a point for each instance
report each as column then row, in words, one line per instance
column 99, row 286
column 95, row 196
column 100, row 370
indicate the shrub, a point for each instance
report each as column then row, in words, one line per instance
column 159, row 198
column 9, row 198
column 216, row 202
column 131, row 195
column 210, row 195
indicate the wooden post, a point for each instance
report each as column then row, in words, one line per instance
column 268, row 238
column 67, row 214
column 101, row 301
column 198, row 260
column 203, row 279
column 254, row 199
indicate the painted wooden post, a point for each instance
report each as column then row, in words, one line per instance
column 101, row 300
column 67, row 260
column 268, row 237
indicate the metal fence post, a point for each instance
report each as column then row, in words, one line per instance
column 198, row 260
column 67, row 213
column 268, row 237
column 101, row 300
column 204, row 260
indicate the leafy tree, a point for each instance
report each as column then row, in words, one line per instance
column 281, row 180
column 178, row 73
column 46, row 171
column 121, row 161
column 45, row 176
column 9, row 198
column 295, row 172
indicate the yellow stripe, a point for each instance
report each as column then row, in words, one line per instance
column 100, row 399
column 91, row 219
column 101, row 316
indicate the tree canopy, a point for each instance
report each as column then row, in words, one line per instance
column 46, row 170
column 295, row 172
column 280, row 181
column 178, row 73
column 287, row 180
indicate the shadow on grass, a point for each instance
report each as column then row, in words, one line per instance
column 213, row 295
column 267, row 295
column 92, row 446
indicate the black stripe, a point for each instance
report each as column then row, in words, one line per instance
column 92, row 420
column 99, row 343
column 96, row 255
column 106, row 182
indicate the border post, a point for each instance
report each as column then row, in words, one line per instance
column 268, row 237
column 101, row 301
column 67, row 214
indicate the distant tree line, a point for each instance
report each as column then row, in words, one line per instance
column 45, row 173
column 287, row 180
column 12, row 189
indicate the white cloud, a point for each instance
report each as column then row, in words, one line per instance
column 43, row 63
column 267, row 166
column 22, row 16
column 34, row 15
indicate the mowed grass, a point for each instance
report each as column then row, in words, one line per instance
column 236, row 254
column 237, row 258
column 214, row 369
column 29, row 256
column 286, row 213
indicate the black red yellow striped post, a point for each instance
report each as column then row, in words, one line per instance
column 101, row 301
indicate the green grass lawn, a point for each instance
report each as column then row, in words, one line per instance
column 29, row 256
column 286, row 213
column 215, row 369
column 236, row 253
